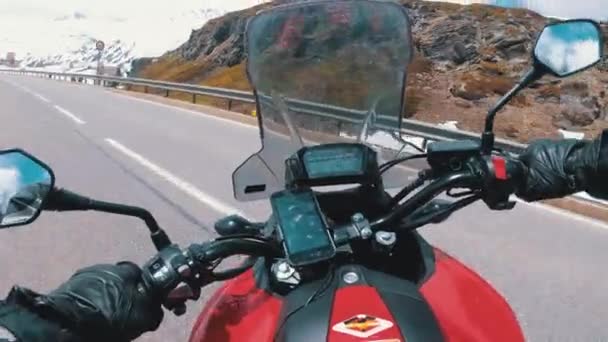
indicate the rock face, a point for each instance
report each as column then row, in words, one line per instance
column 220, row 41
column 138, row 64
column 467, row 56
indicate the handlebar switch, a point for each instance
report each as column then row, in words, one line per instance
column 169, row 276
column 159, row 273
column 450, row 156
column 503, row 176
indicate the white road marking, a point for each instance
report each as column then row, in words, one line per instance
column 186, row 187
column 29, row 91
column 42, row 98
column 69, row 115
column 192, row 112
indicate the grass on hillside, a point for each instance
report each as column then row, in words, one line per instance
column 174, row 69
column 350, row 91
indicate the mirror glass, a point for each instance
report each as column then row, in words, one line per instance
column 569, row 47
column 24, row 184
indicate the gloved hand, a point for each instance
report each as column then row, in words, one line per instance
column 558, row 168
column 100, row 303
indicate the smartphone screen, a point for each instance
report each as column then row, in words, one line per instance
column 305, row 235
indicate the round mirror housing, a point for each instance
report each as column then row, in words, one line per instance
column 25, row 183
column 568, row 47
column 232, row 225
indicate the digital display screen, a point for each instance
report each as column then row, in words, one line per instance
column 333, row 162
column 300, row 222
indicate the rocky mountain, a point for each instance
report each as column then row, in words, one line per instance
column 116, row 53
column 466, row 58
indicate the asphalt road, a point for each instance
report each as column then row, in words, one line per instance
column 549, row 265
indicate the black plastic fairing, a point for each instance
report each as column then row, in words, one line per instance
column 305, row 323
column 410, row 310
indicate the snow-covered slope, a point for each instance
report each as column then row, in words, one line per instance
column 68, row 41
column 86, row 56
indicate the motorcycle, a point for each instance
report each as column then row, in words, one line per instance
column 339, row 259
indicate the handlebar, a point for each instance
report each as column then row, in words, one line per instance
column 454, row 180
column 176, row 275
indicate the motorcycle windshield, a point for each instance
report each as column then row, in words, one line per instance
column 324, row 72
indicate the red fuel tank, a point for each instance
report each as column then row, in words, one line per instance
column 453, row 304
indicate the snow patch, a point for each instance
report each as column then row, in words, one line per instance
column 572, row 135
column 453, row 125
column 67, row 42
column 82, row 58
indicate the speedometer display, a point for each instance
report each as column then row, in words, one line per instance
column 334, row 161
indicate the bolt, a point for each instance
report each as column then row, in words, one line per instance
column 366, row 233
column 350, row 278
column 358, row 217
column 386, row 238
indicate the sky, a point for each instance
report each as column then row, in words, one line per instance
column 41, row 26
column 595, row 9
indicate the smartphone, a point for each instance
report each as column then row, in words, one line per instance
column 302, row 227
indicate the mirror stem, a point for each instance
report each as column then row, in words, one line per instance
column 64, row 200
column 487, row 139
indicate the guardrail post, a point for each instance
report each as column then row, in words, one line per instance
column 167, row 93
column 229, row 104
column 146, row 89
column 193, row 97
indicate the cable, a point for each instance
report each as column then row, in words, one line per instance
column 422, row 178
column 388, row 165
column 317, row 294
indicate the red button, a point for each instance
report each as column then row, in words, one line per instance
column 500, row 168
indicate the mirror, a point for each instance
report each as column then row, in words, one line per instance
column 25, row 182
column 568, row 47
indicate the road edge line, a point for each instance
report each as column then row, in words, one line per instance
column 69, row 115
column 182, row 185
column 189, row 111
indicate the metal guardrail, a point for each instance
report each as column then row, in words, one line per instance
column 229, row 94
column 410, row 127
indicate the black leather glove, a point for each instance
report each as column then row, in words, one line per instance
column 100, row 303
column 560, row 168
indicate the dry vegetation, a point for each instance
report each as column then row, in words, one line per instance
column 467, row 57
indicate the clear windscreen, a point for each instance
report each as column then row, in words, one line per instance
column 324, row 72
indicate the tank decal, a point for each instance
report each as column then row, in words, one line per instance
column 359, row 312
column 403, row 299
column 467, row 307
